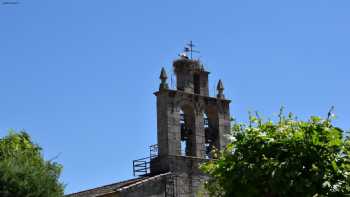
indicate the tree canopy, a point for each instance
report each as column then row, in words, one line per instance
column 287, row 157
column 24, row 172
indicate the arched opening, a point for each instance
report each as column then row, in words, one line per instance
column 184, row 138
column 196, row 83
column 211, row 131
column 187, row 128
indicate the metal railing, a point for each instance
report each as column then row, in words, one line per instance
column 142, row 167
column 153, row 151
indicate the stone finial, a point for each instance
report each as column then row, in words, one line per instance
column 220, row 88
column 163, row 77
column 202, row 67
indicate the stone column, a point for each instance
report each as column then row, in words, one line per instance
column 199, row 137
column 224, row 123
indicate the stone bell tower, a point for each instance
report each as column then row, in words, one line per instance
column 190, row 124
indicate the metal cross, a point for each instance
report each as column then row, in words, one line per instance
column 189, row 49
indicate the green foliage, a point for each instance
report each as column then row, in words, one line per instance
column 23, row 171
column 286, row 158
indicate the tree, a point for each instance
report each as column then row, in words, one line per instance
column 287, row 157
column 24, row 172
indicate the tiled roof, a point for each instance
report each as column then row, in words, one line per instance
column 142, row 181
column 104, row 189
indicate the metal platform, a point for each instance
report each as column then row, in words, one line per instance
column 141, row 167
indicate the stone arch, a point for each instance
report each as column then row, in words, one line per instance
column 187, row 128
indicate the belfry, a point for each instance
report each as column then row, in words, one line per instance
column 189, row 122
column 190, row 125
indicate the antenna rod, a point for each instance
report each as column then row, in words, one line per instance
column 189, row 48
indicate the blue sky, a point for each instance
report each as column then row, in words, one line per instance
column 78, row 75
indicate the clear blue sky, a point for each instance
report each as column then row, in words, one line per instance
column 79, row 75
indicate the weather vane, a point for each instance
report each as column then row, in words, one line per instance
column 189, row 49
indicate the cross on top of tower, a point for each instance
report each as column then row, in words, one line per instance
column 189, row 49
